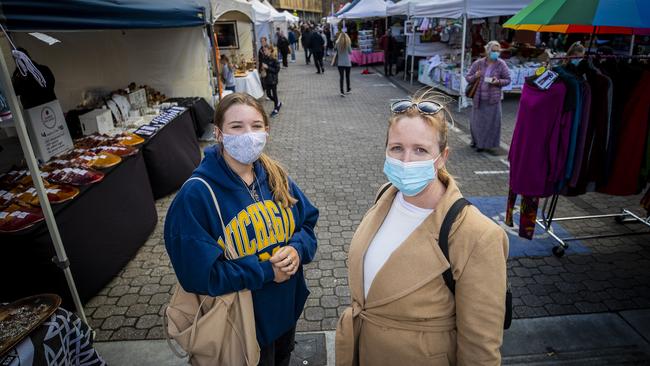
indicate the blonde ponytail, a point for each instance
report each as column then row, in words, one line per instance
column 278, row 181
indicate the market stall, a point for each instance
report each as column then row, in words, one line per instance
column 233, row 23
column 249, row 83
column 364, row 9
column 449, row 19
column 95, row 195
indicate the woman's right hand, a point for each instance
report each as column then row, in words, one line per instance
column 478, row 74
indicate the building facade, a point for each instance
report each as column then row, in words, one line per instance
column 305, row 9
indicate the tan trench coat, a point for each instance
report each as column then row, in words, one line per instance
column 410, row 317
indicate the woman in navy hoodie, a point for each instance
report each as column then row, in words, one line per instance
column 267, row 217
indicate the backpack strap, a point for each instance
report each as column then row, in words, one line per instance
column 382, row 190
column 443, row 240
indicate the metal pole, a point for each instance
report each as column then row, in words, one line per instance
column 406, row 51
column 413, row 55
column 632, row 45
column 25, row 143
column 462, row 62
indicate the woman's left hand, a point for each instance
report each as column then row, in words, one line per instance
column 287, row 259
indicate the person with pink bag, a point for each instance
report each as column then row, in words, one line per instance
column 262, row 220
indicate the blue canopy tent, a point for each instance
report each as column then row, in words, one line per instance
column 48, row 15
column 82, row 15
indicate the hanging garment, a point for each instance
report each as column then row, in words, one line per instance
column 539, row 144
column 574, row 87
column 631, row 144
column 582, row 133
column 527, row 214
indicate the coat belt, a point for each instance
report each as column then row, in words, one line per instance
column 349, row 326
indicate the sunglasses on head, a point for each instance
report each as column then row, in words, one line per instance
column 425, row 107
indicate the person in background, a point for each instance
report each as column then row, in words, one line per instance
column 328, row 39
column 388, row 43
column 275, row 39
column 305, row 39
column 493, row 74
column 343, row 48
column 402, row 312
column 293, row 41
column 271, row 67
column 283, row 48
column 260, row 55
column 227, row 74
column 254, row 194
column 317, row 45
column 576, row 52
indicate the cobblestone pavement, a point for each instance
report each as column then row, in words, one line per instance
column 334, row 148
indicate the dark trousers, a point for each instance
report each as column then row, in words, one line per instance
column 272, row 93
column 344, row 70
column 285, row 60
column 318, row 61
column 388, row 65
column 307, row 55
column 278, row 353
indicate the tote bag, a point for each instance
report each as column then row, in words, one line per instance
column 213, row 330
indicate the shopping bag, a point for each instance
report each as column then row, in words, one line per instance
column 213, row 330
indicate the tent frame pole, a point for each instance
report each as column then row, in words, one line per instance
column 61, row 258
column 461, row 93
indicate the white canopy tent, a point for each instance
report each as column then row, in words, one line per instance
column 239, row 11
column 220, row 7
column 290, row 18
column 366, row 9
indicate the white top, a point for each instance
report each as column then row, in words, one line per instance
column 402, row 219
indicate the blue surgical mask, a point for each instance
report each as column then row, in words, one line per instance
column 410, row 178
column 576, row 61
column 494, row 55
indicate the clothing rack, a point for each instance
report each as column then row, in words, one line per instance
column 548, row 216
column 550, row 203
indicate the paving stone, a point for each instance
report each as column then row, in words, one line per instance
column 159, row 299
column 128, row 333
column 128, row 300
column 113, row 322
column 315, row 313
column 137, row 310
column 329, row 301
column 118, row 290
column 156, row 333
column 148, row 321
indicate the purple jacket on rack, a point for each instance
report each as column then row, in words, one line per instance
column 540, row 141
column 500, row 71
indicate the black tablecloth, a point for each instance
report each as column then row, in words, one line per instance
column 101, row 229
column 171, row 155
column 202, row 112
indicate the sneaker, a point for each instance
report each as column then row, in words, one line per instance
column 274, row 113
column 279, row 106
column 349, row 91
column 343, row 95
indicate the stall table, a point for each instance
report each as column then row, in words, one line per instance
column 202, row 113
column 250, row 84
column 360, row 58
column 171, row 155
column 101, row 229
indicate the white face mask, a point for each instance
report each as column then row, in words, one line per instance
column 245, row 148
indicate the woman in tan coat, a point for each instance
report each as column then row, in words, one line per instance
column 402, row 312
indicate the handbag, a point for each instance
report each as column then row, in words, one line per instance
column 216, row 330
column 443, row 239
column 472, row 87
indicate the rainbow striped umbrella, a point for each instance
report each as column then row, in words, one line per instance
column 584, row 16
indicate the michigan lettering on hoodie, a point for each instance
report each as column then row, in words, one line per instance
column 195, row 242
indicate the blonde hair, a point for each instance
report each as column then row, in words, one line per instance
column 277, row 175
column 272, row 51
column 438, row 121
column 576, row 49
column 343, row 42
column 488, row 47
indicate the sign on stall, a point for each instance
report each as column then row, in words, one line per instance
column 48, row 130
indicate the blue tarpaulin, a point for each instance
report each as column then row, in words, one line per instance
column 51, row 15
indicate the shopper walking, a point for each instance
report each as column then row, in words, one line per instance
column 283, row 48
column 402, row 310
column 293, row 41
column 271, row 68
column 492, row 74
column 252, row 189
column 317, row 45
column 343, row 50
column 329, row 46
column 305, row 39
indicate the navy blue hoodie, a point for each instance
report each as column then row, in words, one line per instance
column 195, row 241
